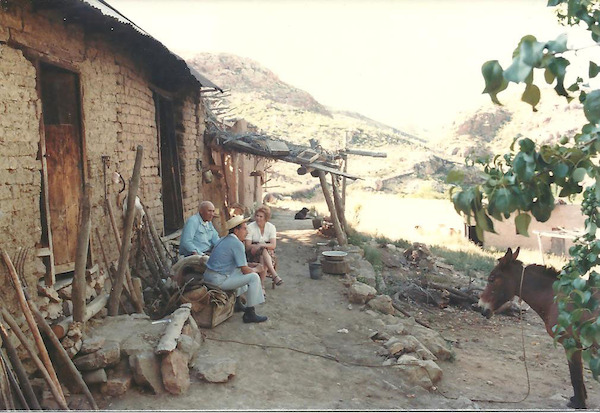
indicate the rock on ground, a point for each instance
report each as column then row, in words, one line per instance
column 146, row 371
column 109, row 355
column 214, row 370
column 382, row 303
column 360, row 293
column 175, row 372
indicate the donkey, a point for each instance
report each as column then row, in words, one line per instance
column 533, row 284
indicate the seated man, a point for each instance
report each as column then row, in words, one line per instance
column 199, row 235
column 228, row 269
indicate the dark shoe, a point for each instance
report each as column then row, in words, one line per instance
column 239, row 306
column 250, row 316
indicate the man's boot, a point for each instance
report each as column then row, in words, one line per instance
column 239, row 306
column 250, row 316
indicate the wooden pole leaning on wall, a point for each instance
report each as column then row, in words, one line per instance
column 33, row 355
column 83, row 242
column 33, row 327
column 134, row 183
column 139, row 307
column 6, row 400
column 6, row 381
column 339, row 206
column 344, row 182
column 340, row 235
column 62, row 354
column 24, row 390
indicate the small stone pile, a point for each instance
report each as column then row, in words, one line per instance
column 412, row 348
column 129, row 350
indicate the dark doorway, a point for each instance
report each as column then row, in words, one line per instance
column 169, row 165
column 64, row 161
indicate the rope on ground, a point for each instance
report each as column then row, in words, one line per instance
column 309, row 353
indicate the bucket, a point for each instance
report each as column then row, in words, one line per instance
column 315, row 270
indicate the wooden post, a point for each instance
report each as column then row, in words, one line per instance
column 62, row 354
column 25, row 385
column 115, row 228
column 6, row 381
column 117, row 288
column 83, row 242
column 39, row 342
column 108, row 270
column 162, row 249
column 344, row 183
column 338, row 203
column 340, row 235
column 36, row 360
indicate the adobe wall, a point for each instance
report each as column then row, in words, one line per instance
column 568, row 217
column 118, row 115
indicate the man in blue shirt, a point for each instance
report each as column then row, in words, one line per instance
column 199, row 235
column 228, row 269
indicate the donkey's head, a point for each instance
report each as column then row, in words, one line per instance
column 502, row 283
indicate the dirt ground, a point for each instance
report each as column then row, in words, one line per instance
column 306, row 315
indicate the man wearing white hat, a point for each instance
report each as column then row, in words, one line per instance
column 228, row 269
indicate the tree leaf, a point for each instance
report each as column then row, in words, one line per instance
column 531, row 96
column 591, row 106
column 502, row 201
column 522, row 222
column 492, row 74
column 494, row 79
column 560, row 170
column 518, row 71
column 549, row 76
column 578, row 174
column 559, row 45
column 527, row 145
column 593, row 70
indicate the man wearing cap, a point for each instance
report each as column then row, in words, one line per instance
column 199, row 235
column 228, row 269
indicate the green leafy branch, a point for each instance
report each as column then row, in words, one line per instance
column 520, row 183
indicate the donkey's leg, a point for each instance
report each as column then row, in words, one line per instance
column 579, row 391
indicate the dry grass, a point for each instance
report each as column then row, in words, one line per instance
column 432, row 222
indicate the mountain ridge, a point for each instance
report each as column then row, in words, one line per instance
column 281, row 110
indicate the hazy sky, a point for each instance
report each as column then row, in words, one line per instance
column 400, row 62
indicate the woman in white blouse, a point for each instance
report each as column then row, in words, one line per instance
column 261, row 242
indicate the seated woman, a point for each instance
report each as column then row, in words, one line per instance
column 261, row 242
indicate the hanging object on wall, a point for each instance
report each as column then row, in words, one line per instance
column 207, row 176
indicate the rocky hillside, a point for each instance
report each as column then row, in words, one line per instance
column 245, row 76
column 416, row 163
column 491, row 129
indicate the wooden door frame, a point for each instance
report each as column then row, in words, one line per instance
column 47, row 253
column 164, row 95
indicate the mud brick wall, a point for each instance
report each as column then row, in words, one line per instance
column 189, row 125
column 118, row 114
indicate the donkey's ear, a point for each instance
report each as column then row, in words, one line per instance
column 507, row 257
column 516, row 254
